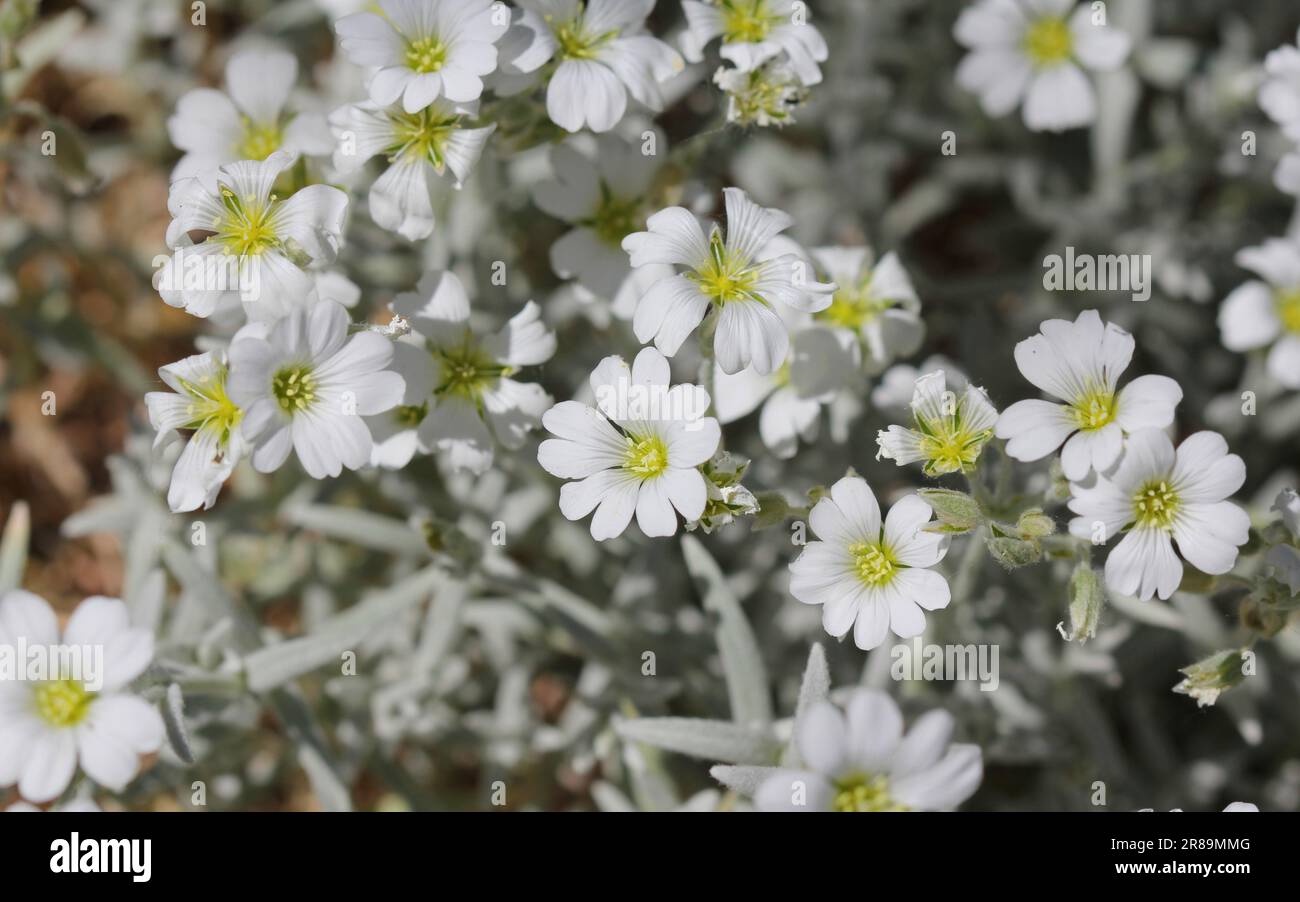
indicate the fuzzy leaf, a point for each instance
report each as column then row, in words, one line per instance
column 711, row 740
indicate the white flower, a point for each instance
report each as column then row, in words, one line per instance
column 638, row 453
column 1266, row 314
column 396, row 432
column 197, row 401
column 250, row 120
column 47, row 727
column 474, row 402
column 1279, row 94
column 261, row 244
column 741, row 276
column 1033, row 50
column 859, row 759
column 1242, row 806
column 425, row 49
column 601, row 55
column 605, row 200
column 755, row 31
column 950, row 432
column 870, row 577
column 1080, row 363
column 764, row 97
column 874, row 301
column 818, row 367
column 419, row 148
column 306, row 387
column 1161, row 496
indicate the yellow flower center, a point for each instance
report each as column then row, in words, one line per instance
column 746, row 21
column 260, row 140
column 210, row 407
column 724, row 278
column 949, row 445
column 865, row 793
column 873, row 562
column 1095, row 409
column 646, row 457
column 1156, row 505
column 62, row 703
column 1288, row 309
column 247, row 225
column 411, row 415
column 1048, row 41
column 853, row 306
column 294, row 388
column 425, row 55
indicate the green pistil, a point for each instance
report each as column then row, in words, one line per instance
column 294, row 388
column 246, row 228
column 746, row 21
column 210, row 407
column 1095, row 409
column 873, row 562
column 1156, row 505
column 62, row 703
column 646, row 457
column 949, row 445
column 260, row 140
column 724, row 278
column 615, row 218
column 425, row 55
column 1288, row 309
column 1048, row 41
column 411, row 415
column 573, row 40
column 423, row 135
column 864, row 793
column 467, row 371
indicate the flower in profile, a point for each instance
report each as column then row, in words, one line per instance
column 74, row 716
column 306, row 386
column 754, row 32
column 600, row 55
column 950, row 430
column 819, row 366
column 860, row 759
column 250, row 120
column 869, row 576
column 604, row 199
column 1160, row 497
column 425, row 49
column 475, row 402
column 419, row 148
column 257, row 248
column 764, row 97
column 1036, row 51
column 1265, row 312
column 741, row 275
column 637, row 452
column 199, row 404
column 1080, row 363
column 874, row 301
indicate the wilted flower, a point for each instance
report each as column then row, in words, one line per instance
column 950, row 432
